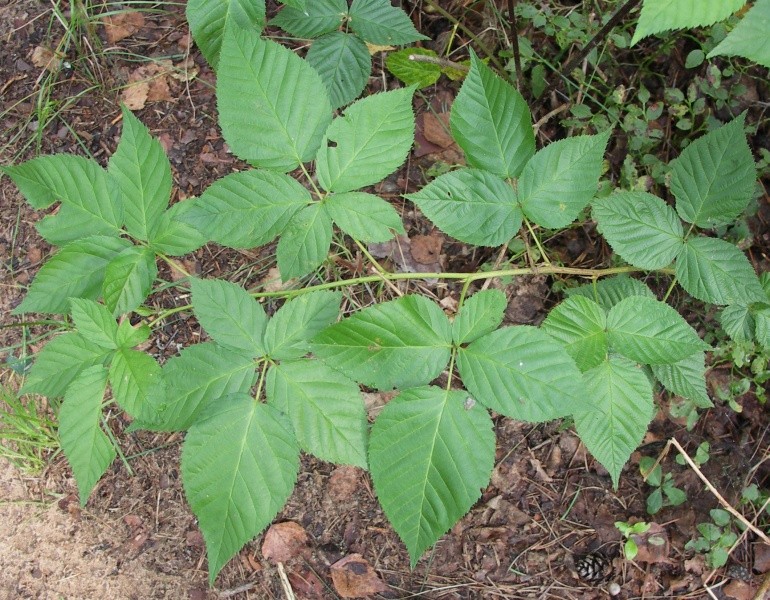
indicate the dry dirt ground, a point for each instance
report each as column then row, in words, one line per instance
column 548, row 503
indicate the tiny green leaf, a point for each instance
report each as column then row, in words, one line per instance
column 580, row 323
column 94, row 322
column 317, row 18
column 289, row 331
column 379, row 22
column 344, row 64
column 128, row 279
column 412, row 72
column 364, row 217
column 305, row 242
column 481, row 314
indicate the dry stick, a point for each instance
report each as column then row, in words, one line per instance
column 515, row 41
column 444, row 63
column 285, row 583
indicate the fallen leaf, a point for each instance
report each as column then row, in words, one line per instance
column 148, row 83
column 353, row 577
column 653, row 545
column 307, row 584
column 399, row 251
column 435, row 128
column 343, row 483
column 426, row 249
column 761, row 558
column 284, row 541
column 375, row 48
column 122, row 25
column 740, row 590
column 45, row 58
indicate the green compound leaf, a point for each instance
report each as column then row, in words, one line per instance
column 239, row 466
column 137, row 384
column 617, row 409
column 233, row 318
column 143, row 173
column 368, row 142
column 364, row 217
column 209, row 19
column 60, row 361
column 521, row 372
column 87, row 448
column 305, row 242
column 471, row 205
column 401, row 343
column 713, row 179
column 663, row 15
column 94, row 322
column 173, row 235
column 651, row 332
column 608, row 292
column 686, row 378
column 412, row 72
column 716, row 271
column 128, row 279
column 749, row 38
column 248, row 209
column 201, row 375
column 273, row 106
column 561, row 179
column 76, row 271
column 296, row 322
column 643, row 229
column 317, row 18
column 379, row 22
column 738, row 322
column 481, row 314
column 430, row 455
column 580, row 323
column 325, row 408
column 490, row 121
column 344, row 63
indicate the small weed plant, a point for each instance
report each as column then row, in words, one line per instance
column 264, row 388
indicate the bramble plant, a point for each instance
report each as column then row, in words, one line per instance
column 431, row 450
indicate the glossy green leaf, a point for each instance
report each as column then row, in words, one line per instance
column 379, row 22
column 614, row 416
column 173, row 235
column 318, row 17
column 713, row 179
column 430, row 455
column 239, row 466
column 344, row 64
column 412, row 72
column 401, row 343
column 471, row 205
column 611, row 290
column 229, row 315
column 490, row 121
column 364, row 217
column 94, row 322
column 643, row 229
column 289, row 331
column 749, row 38
column 305, row 242
column 137, row 384
column 561, row 179
column 663, row 15
column 686, row 378
column 128, row 279
column 521, row 372
column 325, row 409
column 651, row 332
column 208, row 20
column 87, row 448
column 481, row 314
column 580, row 324
column 273, row 106
column 368, row 142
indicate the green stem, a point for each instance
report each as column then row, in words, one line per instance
column 262, row 373
column 317, row 191
column 451, row 368
column 537, row 242
column 174, row 264
column 670, row 289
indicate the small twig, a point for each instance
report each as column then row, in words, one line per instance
column 444, row 63
column 515, row 41
column 237, row 590
column 285, row 583
column 547, row 117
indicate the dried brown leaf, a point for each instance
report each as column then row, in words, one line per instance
column 122, row 25
column 353, row 577
column 45, row 58
column 284, row 541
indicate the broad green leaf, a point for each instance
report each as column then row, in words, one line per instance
column 471, row 205
column 521, row 372
column 368, row 142
column 248, row 209
column 325, row 409
column 69, row 224
column 643, row 229
column 762, row 328
column 738, row 322
column 344, row 63
column 318, row 17
column 137, row 384
column 143, row 173
column 664, row 15
column 174, row 235
column 713, row 179
column 481, row 314
column 651, row 332
column 749, row 38
column 76, row 271
column 561, row 179
column 208, row 20
column 129, row 336
column 128, row 279
column 87, row 448
column 202, row 374
column 430, row 455
column 289, row 331
column 686, row 378
column 401, row 343
column 273, row 106
column 298, row 4
column 60, row 361
column 715, row 271
column 491, row 123
column 239, row 466
column 364, row 217
column 580, row 324
column 94, row 322
column 229, row 315
column 412, row 72
column 379, row 22
column 608, row 292
column 617, row 409
column 305, row 242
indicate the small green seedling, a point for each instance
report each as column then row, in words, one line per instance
column 627, row 530
column 717, row 538
column 665, row 492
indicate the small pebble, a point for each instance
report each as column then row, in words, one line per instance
column 613, row 589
